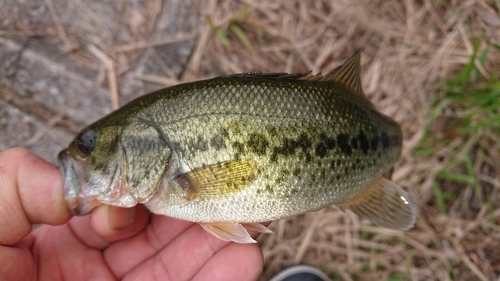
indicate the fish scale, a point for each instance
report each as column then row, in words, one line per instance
column 279, row 138
column 243, row 149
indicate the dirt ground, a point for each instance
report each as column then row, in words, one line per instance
column 66, row 63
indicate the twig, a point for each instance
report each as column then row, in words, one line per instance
column 194, row 63
column 167, row 70
column 110, row 67
column 60, row 29
column 93, row 16
column 156, row 79
column 9, row 70
column 307, row 239
column 51, row 123
column 348, row 238
column 472, row 266
column 145, row 44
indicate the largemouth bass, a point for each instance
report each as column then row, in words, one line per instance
column 238, row 150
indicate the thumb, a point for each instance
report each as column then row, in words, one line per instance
column 31, row 191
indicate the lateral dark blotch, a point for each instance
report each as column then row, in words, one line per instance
column 217, row 142
column 374, row 143
column 354, row 143
column 343, row 142
column 320, row 150
column 322, row 174
column 238, row 146
column 289, row 146
column 363, row 142
column 201, row 144
column 385, row 140
column 303, row 142
column 325, row 144
column 258, row 143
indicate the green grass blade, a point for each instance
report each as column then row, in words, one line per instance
column 243, row 37
column 222, row 35
column 241, row 14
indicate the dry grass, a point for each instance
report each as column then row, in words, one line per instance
column 409, row 49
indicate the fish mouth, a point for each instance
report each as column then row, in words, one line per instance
column 78, row 203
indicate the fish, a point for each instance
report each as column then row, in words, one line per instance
column 234, row 151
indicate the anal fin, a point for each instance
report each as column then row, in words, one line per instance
column 386, row 204
column 234, row 232
column 257, row 227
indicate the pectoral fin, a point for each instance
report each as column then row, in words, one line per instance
column 234, row 232
column 386, row 204
column 217, row 180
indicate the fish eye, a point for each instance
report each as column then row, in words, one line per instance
column 86, row 143
column 84, row 149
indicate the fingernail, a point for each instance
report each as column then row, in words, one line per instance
column 120, row 218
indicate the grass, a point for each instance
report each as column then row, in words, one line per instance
column 469, row 111
column 234, row 25
column 465, row 125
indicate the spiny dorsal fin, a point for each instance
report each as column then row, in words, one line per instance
column 218, row 180
column 386, row 204
column 260, row 75
column 347, row 75
column 310, row 77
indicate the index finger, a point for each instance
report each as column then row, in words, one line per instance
column 31, row 191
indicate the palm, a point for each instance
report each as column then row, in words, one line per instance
column 151, row 248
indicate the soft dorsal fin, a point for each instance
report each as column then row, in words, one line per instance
column 348, row 74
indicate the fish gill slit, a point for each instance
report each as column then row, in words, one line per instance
column 150, row 123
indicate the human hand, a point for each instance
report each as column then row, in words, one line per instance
column 111, row 243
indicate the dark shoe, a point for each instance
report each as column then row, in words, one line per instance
column 300, row 273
